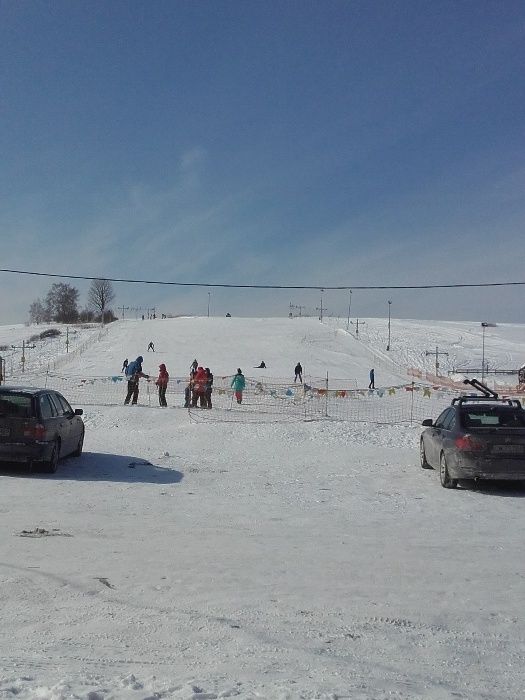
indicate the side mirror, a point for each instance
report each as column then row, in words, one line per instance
column 79, row 411
column 427, row 422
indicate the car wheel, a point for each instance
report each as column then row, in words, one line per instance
column 50, row 467
column 80, row 445
column 444, row 476
column 422, row 456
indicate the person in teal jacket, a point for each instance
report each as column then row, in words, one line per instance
column 238, row 384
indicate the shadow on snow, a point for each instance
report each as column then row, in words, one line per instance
column 101, row 466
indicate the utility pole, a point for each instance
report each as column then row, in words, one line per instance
column 320, row 308
column 23, row 348
column 484, row 325
column 357, row 323
column 389, row 305
column 123, row 308
column 436, row 352
column 209, row 295
column 349, row 307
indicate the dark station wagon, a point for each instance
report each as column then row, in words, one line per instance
column 38, row 427
column 477, row 437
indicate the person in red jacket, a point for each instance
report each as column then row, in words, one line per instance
column 200, row 381
column 162, row 383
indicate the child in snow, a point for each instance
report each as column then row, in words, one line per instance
column 162, row 383
column 199, row 388
column 238, row 383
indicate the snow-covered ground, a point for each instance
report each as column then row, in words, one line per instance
column 185, row 555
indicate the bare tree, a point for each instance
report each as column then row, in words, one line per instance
column 37, row 312
column 100, row 296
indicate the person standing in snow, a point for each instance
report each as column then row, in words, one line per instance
column 372, row 380
column 237, row 384
column 199, row 388
column 151, row 346
column 298, row 372
column 162, row 383
column 209, row 387
column 193, row 367
column 134, row 373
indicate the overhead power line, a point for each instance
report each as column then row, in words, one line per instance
column 318, row 287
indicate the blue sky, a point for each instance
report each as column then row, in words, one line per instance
column 297, row 143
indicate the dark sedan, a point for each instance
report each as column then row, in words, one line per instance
column 38, row 427
column 476, row 438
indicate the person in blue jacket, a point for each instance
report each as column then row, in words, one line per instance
column 133, row 374
column 238, row 383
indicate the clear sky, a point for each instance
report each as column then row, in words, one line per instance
column 261, row 142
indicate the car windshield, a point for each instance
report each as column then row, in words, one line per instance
column 493, row 416
column 12, row 404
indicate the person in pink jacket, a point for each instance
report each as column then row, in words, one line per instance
column 162, row 383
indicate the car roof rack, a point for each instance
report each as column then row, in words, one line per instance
column 488, row 395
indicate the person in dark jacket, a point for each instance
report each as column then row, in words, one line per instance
column 134, row 373
column 209, row 387
column 372, row 380
column 193, row 367
column 162, row 383
column 298, row 372
column 124, row 365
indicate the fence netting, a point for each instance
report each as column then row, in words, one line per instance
column 270, row 400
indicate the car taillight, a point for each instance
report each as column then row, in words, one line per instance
column 37, row 432
column 469, row 444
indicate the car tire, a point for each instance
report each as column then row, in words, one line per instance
column 50, row 466
column 446, row 481
column 423, row 457
column 80, row 445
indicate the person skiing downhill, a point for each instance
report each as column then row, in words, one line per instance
column 134, row 373
column 237, row 384
column 162, row 383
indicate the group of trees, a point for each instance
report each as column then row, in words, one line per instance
column 60, row 304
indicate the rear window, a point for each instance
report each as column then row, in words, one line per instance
column 15, row 405
column 493, row 416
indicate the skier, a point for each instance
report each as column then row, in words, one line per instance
column 187, row 392
column 193, row 367
column 209, row 387
column 237, row 384
column 124, row 365
column 151, row 346
column 298, row 372
column 261, row 366
column 199, row 388
column 162, row 383
column 134, row 373
column 372, row 380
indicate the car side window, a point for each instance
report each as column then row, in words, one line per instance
column 47, row 410
column 440, row 422
column 66, row 408
column 55, row 404
column 450, row 420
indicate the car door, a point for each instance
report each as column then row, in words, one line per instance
column 436, row 437
column 76, row 424
column 63, row 424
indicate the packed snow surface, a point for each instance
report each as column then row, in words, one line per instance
column 186, row 555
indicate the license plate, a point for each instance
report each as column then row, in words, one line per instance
column 508, row 449
column 5, row 432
